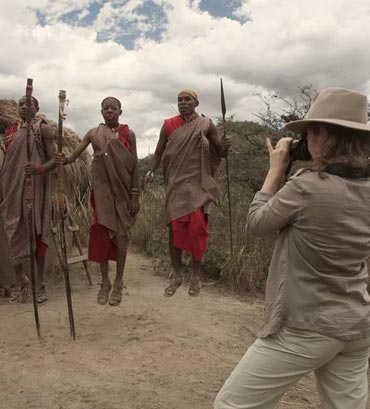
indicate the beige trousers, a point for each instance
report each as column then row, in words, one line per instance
column 271, row 365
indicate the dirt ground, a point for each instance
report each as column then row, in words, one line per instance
column 151, row 352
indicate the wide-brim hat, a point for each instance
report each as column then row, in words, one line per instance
column 339, row 106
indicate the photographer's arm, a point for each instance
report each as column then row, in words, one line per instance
column 270, row 212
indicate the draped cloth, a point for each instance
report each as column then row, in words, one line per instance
column 190, row 164
column 13, row 205
column 112, row 169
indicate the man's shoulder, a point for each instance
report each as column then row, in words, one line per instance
column 92, row 131
column 173, row 118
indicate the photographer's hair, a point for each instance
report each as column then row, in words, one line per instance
column 344, row 145
column 112, row 98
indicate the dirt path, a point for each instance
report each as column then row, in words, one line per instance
column 151, row 352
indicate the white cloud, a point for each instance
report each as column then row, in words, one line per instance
column 285, row 45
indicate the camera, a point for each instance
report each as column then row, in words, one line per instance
column 299, row 149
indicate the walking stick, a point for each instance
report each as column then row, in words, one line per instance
column 61, row 209
column 29, row 197
column 223, row 108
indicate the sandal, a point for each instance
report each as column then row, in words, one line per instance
column 195, row 286
column 174, row 285
column 42, row 296
column 20, row 292
column 2, row 292
column 116, row 295
column 103, row 294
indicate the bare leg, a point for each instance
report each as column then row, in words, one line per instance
column 116, row 296
column 42, row 296
column 176, row 276
column 195, row 283
column 103, row 294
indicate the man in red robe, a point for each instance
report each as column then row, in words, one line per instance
column 115, row 194
column 12, row 201
column 189, row 151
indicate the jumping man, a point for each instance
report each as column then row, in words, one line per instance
column 189, row 150
column 12, row 203
column 114, row 197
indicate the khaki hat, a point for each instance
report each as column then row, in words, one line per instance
column 338, row 106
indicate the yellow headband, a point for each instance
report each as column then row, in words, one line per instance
column 190, row 92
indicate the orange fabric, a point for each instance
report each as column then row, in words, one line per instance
column 190, row 233
column 172, row 124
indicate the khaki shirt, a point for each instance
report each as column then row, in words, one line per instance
column 318, row 273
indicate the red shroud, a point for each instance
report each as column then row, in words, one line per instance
column 190, row 233
column 172, row 124
column 101, row 247
column 9, row 134
column 41, row 247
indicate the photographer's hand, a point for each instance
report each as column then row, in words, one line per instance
column 279, row 161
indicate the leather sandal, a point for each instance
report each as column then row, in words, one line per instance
column 194, row 288
column 42, row 295
column 20, row 292
column 116, row 295
column 174, row 285
column 103, row 294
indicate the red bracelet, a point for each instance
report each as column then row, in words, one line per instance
column 41, row 169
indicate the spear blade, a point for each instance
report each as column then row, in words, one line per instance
column 223, row 103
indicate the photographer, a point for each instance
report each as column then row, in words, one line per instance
column 317, row 315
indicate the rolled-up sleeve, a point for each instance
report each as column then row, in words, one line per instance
column 269, row 213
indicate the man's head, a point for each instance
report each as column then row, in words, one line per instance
column 187, row 101
column 111, row 110
column 22, row 107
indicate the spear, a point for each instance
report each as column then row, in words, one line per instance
column 29, row 197
column 223, row 108
column 61, row 208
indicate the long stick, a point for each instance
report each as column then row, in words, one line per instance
column 61, row 208
column 223, row 108
column 29, row 193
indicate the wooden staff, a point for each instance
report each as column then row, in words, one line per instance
column 62, row 209
column 29, row 197
column 223, row 108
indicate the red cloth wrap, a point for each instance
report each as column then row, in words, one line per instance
column 101, row 247
column 41, row 247
column 9, row 132
column 172, row 124
column 190, row 233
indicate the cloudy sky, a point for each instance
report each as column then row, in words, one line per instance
column 144, row 51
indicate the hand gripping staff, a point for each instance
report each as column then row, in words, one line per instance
column 61, row 210
column 223, row 108
column 29, row 197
